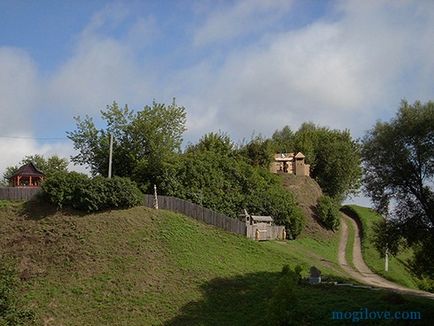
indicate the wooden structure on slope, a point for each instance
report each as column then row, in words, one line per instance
column 290, row 163
column 262, row 228
column 27, row 176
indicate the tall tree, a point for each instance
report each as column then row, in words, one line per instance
column 144, row 141
column 334, row 158
column 398, row 160
column 283, row 140
column 258, row 151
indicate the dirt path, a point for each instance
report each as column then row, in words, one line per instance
column 361, row 272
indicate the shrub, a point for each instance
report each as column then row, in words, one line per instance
column 328, row 212
column 282, row 307
column 61, row 189
column 80, row 192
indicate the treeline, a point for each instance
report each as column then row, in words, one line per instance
column 215, row 172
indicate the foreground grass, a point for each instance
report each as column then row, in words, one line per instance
column 147, row 267
column 399, row 270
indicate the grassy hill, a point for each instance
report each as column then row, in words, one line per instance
column 307, row 192
column 147, row 267
column 399, row 271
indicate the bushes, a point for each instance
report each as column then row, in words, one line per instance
column 78, row 191
column 222, row 180
column 328, row 212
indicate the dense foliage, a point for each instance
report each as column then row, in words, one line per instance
column 80, row 192
column 11, row 314
column 333, row 155
column 214, row 174
column 328, row 212
column 398, row 158
column 144, row 141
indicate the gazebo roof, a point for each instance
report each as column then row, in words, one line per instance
column 28, row 170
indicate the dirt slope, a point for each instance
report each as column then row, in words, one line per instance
column 307, row 192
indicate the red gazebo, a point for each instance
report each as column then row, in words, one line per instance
column 27, row 176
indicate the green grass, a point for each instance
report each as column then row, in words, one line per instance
column 399, row 271
column 350, row 244
column 147, row 267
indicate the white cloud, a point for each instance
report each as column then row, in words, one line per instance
column 344, row 73
column 15, row 149
column 18, row 90
column 103, row 68
column 243, row 17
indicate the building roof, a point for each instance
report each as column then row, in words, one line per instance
column 262, row 218
column 299, row 155
column 282, row 157
column 28, row 170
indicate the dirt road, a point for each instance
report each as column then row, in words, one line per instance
column 361, row 272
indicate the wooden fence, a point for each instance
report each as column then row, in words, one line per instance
column 18, row 193
column 198, row 212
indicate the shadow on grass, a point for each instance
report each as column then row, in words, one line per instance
column 38, row 209
column 243, row 300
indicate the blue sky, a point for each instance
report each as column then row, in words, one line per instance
column 237, row 66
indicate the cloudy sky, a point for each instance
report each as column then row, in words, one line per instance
column 241, row 67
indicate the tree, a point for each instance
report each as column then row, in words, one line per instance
column 283, row 140
column 212, row 173
column 334, row 158
column 144, row 141
column 328, row 212
column 259, row 152
column 48, row 165
column 398, row 161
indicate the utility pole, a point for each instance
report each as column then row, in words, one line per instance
column 110, row 156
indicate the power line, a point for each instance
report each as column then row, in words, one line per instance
column 34, row 138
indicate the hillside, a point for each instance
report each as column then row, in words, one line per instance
column 399, row 271
column 306, row 192
column 147, row 267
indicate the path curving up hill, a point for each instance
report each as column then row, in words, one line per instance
column 361, row 272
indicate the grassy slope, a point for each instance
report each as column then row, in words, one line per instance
column 349, row 246
column 398, row 266
column 142, row 267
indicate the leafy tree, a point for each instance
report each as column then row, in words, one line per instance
column 334, row 158
column 219, row 143
column 283, row 140
column 144, row 141
column 48, row 165
column 398, row 160
column 213, row 174
column 259, row 151
column 328, row 212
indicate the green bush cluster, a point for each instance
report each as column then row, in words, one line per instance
column 76, row 190
column 216, row 176
column 10, row 312
column 283, row 308
column 328, row 212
